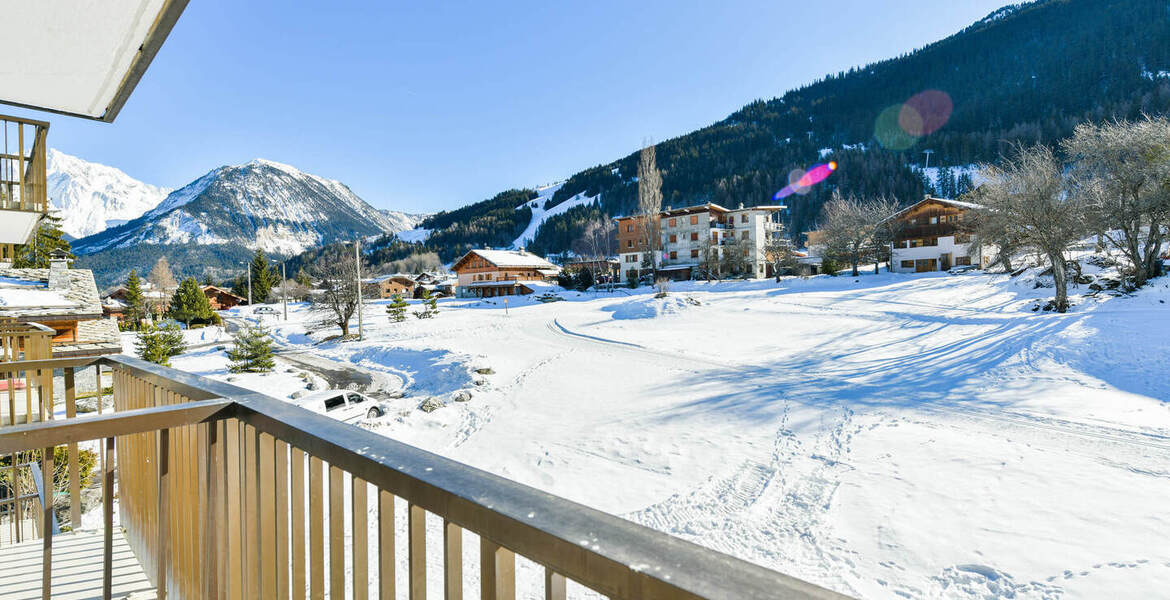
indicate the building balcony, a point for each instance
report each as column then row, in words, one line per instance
column 23, row 190
column 227, row 493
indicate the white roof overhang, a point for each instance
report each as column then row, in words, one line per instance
column 81, row 58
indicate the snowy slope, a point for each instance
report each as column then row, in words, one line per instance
column 92, row 197
column 890, row 436
column 261, row 204
column 540, row 215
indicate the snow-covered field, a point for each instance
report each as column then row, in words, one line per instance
column 886, row 436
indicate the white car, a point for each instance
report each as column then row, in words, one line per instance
column 265, row 310
column 343, row 405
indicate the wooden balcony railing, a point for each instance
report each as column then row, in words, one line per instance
column 228, row 493
column 23, row 183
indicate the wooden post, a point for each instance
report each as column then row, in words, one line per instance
column 163, row 511
column 47, row 528
column 452, row 561
column 385, row 545
column 74, row 467
column 108, row 518
column 417, row 534
column 497, row 571
column 554, row 585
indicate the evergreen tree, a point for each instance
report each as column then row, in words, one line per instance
column 397, row 309
column 158, row 344
column 135, row 302
column 430, row 306
column 251, row 351
column 240, row 285
column 189, row 303
column 48, row 237
column 207, row 280
column 302, row 278
column 262, row 279
column 584, row 279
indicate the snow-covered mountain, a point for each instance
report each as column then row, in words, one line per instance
column 92, row 197
column 262, row 204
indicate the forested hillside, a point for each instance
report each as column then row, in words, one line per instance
column 1027, row 73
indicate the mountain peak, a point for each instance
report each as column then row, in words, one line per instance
column 92, row 197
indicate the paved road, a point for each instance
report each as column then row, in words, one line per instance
column 339, row 374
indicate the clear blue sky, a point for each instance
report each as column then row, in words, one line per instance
column 431, row 105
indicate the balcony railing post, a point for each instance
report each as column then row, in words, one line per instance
column 361, row 561
column 336, row 532
column 163, row 509
column 47, row 527
column 108, row 521
column 497, row 571
column 385, row 545
column 417, row 551
column 554, row 585
column 452, row 561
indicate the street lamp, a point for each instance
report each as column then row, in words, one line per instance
column 357, row 255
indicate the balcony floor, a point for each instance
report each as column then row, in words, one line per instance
column 77, row 569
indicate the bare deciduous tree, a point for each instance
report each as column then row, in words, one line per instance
column 847, row 227
column 337, row 300
column 779, row 253
column 650, row 205
column 1029, row 193
column 163, row 281
column 885, row 230
column 1122, row 174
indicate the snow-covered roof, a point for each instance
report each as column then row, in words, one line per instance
column 509, row 258
column 947, row 201
column 81, row 58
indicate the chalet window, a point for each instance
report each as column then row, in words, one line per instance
column 745, row 251
column 744, row 235
column 962, row 238
column 907, row 264
column 694, row 219
column 673, row 238
column 629, row 228
column 962, row 260
column 694, row 236
column 673, row 255
column 671, row 222
column 932, row 242
column 695, row 253
column 743, row 218
column 629, row 243
column 934, row 220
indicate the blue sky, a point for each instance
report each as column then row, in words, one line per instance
column 431, row 105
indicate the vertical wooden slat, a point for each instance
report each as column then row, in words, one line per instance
column 497, row 574
column 554, row 585
column 252, row 547
column 385, row 545
column 316, row 530
column 336, row 533
column 361, row 561
column 235, row 549
column 417, row 551
column 282, row 515
column 213, row 515
column 452, row 561
column 163, row 510
column 267, row 541
column 47, row 528
column 108, row 521
column 297, row 486
column 74, row 467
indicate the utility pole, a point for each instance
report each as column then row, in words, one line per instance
column 249, row 267
column 927, row 153
column 357, row 254
column 284, row 291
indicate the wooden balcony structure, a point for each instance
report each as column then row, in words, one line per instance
column 24, row 195
column 227, row 493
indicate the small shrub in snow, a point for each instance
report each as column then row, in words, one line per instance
column 252, row 352
column 158, row 344
column 430, row 306
column 397, row 309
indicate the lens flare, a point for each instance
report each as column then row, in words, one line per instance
column 900, row 126
column 801, row 182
